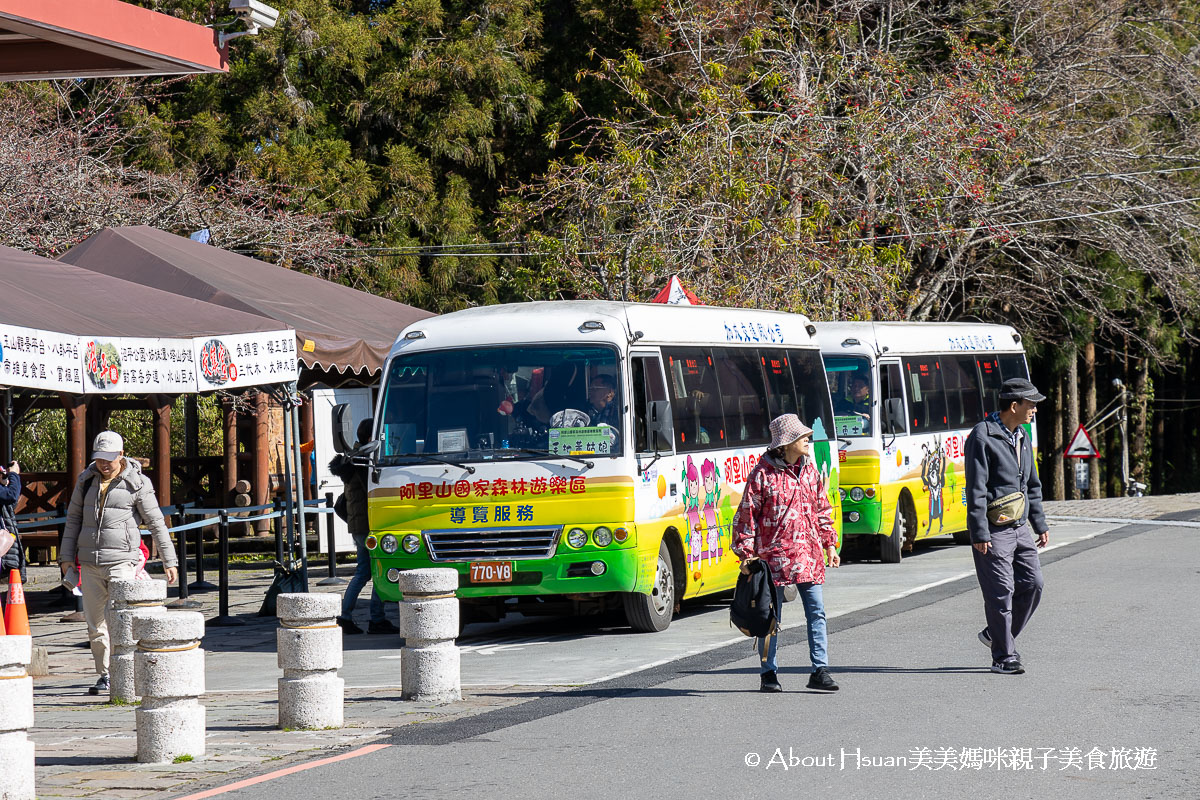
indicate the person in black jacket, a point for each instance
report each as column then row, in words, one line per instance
column 12, row 556
column 1006, row 521
column 354, row 478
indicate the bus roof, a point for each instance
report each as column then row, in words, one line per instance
column 566, row 321
column 916, row 337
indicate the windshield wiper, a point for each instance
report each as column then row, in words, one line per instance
column 535, row 452
column 440, row 459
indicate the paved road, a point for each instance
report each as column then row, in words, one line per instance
column 1111, row 665
column 572, row 652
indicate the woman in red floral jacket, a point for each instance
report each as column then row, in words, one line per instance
column 785, row 519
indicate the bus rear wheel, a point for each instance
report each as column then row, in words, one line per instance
column 651, row 613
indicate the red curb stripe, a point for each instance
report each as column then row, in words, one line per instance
column 279, row 773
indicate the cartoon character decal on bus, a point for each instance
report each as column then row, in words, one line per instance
column 691, row 509
column 933, row 476
column 712, row 497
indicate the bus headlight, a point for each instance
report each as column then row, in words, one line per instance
column 393, row 575
column 852, row 516
column 598, row 568
column 620, row 534
column 841, row 493
column 870, row 492
column 602, row 536
column 389, row 543
column 372, row 542
column 577, row 537
column 856, row 494
column 411, row 543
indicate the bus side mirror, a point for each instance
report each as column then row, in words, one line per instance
column 893, row 415
column 343, row 437
column 658, row 424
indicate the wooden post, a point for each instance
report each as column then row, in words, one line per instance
column 262, row 459
column 307, row 427
column 77, row 443
column 231, row 450
column 161, row 460
column 1057, row 445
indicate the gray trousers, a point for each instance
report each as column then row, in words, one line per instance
column 1010, row 577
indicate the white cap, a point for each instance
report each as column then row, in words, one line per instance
column 107, row 446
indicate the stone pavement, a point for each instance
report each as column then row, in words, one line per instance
column 86, row 746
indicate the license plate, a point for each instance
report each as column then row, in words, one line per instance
column 491, row 572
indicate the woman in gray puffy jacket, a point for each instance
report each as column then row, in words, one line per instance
column 111, row 497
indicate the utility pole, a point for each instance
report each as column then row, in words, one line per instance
column 1131, row 488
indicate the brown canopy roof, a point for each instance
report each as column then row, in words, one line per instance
column 52, row 296
column 337, row 328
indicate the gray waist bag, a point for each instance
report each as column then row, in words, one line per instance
column 1007, row 509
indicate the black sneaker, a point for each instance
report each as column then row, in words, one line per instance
column 770, row 682
column 985, row 636
column 348, row 626
column 101, row 686
column 821, row 679
column 1010, row 667
column 382, row 627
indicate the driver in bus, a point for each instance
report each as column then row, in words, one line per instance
column 859, row 402
column 602, row 407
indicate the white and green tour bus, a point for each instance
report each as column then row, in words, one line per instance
column 905, row 397
column 575, row 456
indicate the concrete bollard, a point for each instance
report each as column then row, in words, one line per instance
column 168, row 671
column 309, row 649
column 125, row 598
column 16, row 717
column 429, row 660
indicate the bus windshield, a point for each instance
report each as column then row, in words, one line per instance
column 502, row 402
column 850, row 388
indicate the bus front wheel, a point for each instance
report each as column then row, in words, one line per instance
column 652, row 612
column 890, row 546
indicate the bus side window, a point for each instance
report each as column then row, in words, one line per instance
column 781, row 394
column 989, row 382
column 743, row 396
column 695, row 399
column 1012, row 365
column 926, row 398
column 963, row 403
column 891, row 389
column 647, row 386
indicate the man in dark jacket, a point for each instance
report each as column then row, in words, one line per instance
column 1006, row 521
column 354, row 479
column 12, row 556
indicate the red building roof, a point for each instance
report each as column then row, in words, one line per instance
column 48, row 39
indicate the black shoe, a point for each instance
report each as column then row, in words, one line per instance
column 382, row 627
column 821, row 679
column 770, row 682
column 985, row 636
column 1010, row 667
column 348, row 626
column 101, row 686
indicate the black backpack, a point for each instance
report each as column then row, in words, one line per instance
column 756, row 599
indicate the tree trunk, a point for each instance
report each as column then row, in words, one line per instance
column 1159, row 450
column 1054, row 458
column 1089, row 413
column 1071, row 418
column 1139, row 466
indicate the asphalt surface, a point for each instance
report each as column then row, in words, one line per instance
column 1109, row 706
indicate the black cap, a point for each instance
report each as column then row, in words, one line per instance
column 1020, row 389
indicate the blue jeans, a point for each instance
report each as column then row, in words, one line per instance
column 362, row 574
column 814, row 612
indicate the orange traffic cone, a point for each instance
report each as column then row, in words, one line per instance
column 16, row 618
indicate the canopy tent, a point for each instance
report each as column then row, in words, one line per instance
column 55, row 39
column 338, row 329
column 68, row 329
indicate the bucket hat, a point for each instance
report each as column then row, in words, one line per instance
column 785, row 429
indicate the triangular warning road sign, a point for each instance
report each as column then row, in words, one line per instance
column 1081, row 446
